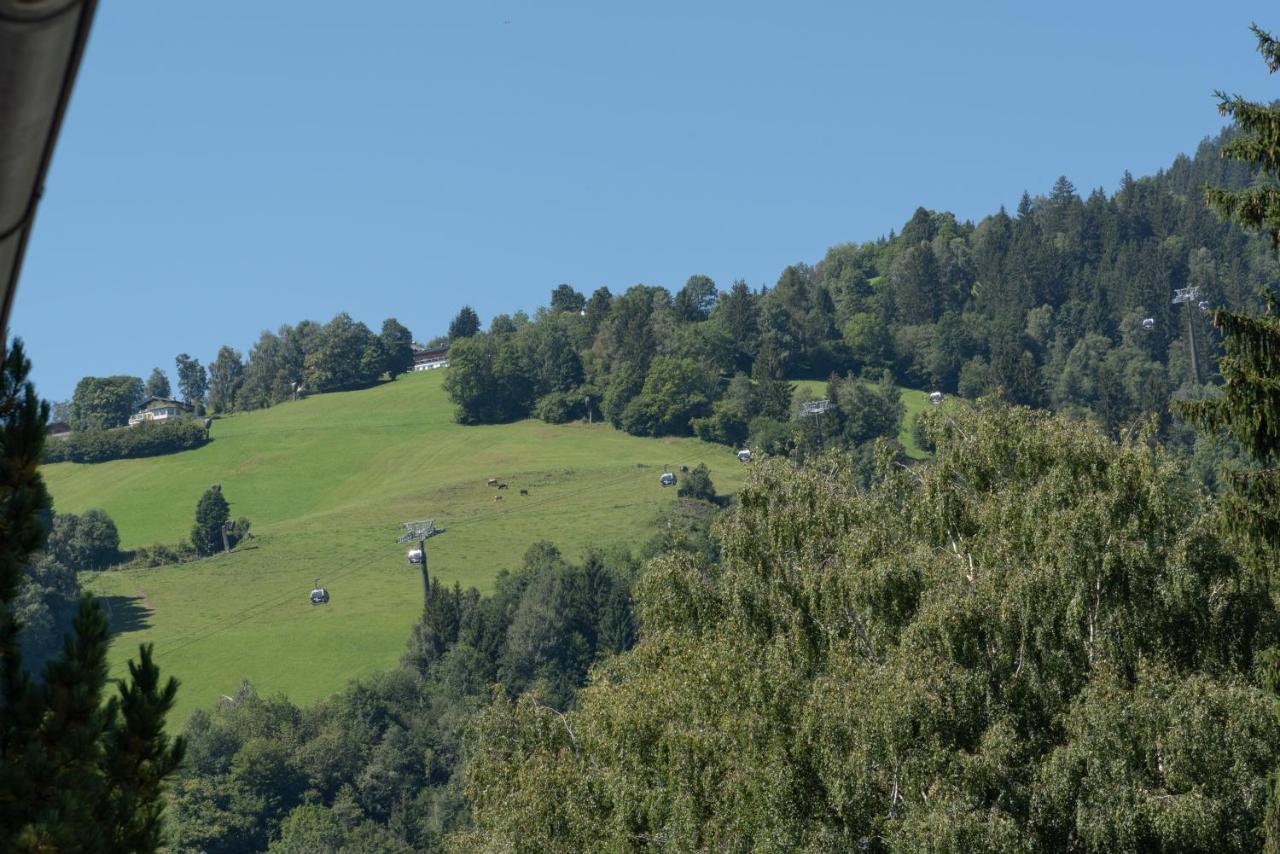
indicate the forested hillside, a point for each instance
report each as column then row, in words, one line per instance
column 1045, row 305
column 1042, row 637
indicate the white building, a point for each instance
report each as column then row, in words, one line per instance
column 160, row 409
column 429, row 359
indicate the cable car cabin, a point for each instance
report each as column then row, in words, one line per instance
column 935, row 398
column 415, row 556
column 667, row 479
column 319, row 596
column 744, row 456
column 1149, row 323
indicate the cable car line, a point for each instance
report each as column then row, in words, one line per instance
column 376, row 554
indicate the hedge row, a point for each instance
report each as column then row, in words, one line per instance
column 148, row 439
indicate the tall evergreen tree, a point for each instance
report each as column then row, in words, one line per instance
column 1249, row 405
column 75, row 774
column 212, row 512
column 466, row 324
column 157, row 384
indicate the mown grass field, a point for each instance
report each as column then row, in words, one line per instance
column 326, row 482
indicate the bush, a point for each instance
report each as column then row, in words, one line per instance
column 148, row 439
column 557, row 407
column 84, row 542
column 697, row 484
column 770, row 436
column 920, row 433
column 161, row 554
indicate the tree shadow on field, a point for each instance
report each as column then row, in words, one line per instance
column 125, row 613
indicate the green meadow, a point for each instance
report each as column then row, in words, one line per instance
column 327, row 482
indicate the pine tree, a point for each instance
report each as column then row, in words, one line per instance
column 1249, row 406
column 465, row 325
column 75, row 774
column 212, row 512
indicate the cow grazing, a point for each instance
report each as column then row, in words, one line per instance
column 524, row 492
column 502, row 486
column 497, row 498
column 493, row 481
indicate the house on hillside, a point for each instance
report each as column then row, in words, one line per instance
column 58, row 430
column 160, row 409
column 426, row 359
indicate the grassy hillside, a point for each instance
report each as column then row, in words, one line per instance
column 327, row 482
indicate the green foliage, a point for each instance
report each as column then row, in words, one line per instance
column 397, row 343
column 696, row 300
column 487, row 380
column 344, row 354
column 1257, row 144
column 157, row 384
column 1038, row 641
column 773, row 392
column 865, row 411
column 730, row 415
column 696, row 483
column 212, row 513
column 75, row 774
column 375, row 767
column 146, row 439
column 299, row 471
column 557, row 407
column 464, row 325
column 46, row 607
column 193, row 379
column 226, row 375
column 565, row 298
column 85, row 542
column 675, row 391
column 100, row 403
column 1249, row 407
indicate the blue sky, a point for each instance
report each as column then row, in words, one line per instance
column 228, row 167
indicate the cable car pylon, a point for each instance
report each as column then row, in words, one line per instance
column 420, row 531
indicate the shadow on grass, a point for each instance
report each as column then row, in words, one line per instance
column 125, row 613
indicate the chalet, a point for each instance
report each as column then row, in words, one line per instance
column 58, row 430
column 426, row 359
column 160, row 409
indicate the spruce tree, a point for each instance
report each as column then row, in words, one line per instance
column 1249, row 406
column 212, row 513
column 76, row 774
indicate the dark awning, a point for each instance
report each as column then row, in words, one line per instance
column 41, row 42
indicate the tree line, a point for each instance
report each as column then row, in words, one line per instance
column 1045, row 306
column 306, row 358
